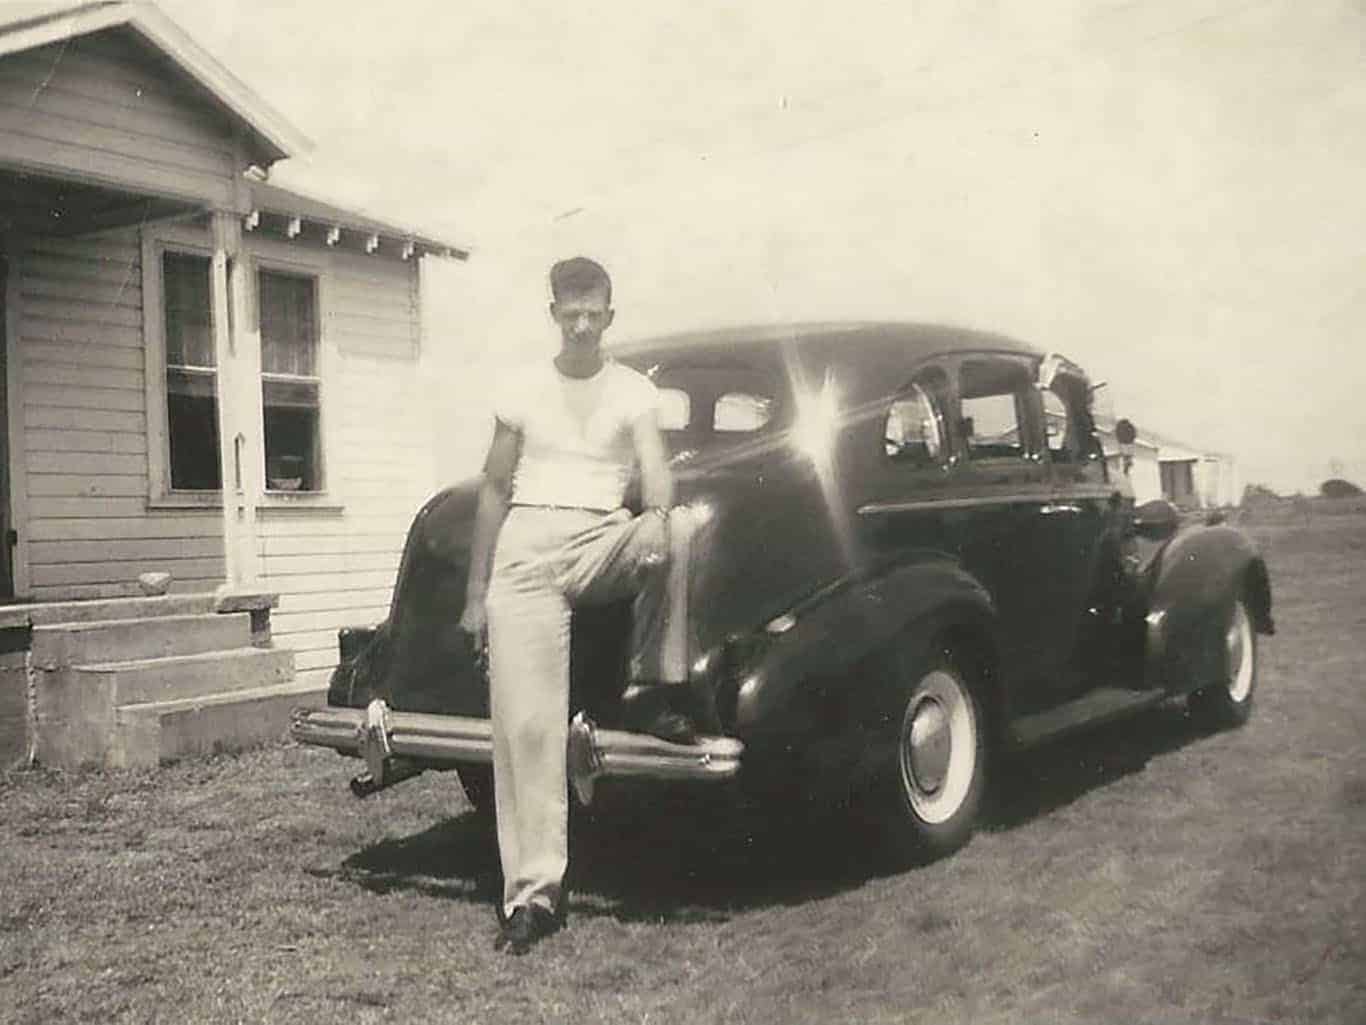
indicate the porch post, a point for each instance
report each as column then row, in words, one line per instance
column 239, row 421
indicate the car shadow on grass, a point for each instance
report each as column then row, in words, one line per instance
column 1044, row 779
column 699, row 854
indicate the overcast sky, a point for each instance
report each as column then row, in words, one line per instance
column 1169, row 192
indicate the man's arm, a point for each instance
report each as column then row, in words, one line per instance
column 504, row 451
column 656, row 481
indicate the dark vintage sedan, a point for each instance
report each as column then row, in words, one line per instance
column 911, row 553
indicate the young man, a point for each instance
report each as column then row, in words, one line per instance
column 551, row 533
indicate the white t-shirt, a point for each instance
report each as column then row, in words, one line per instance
column 578, row 447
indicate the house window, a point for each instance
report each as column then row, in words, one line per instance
column 191, row 374
column 290, row 384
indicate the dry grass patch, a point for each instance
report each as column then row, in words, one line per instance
column 1146, row 873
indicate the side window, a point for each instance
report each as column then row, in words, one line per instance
column 675, row 409
column 1071, row 441
column 741, row 412
column 914, row 431
column 290, row 381
column 1058, row 427
column 191, row 373
column 994, row 418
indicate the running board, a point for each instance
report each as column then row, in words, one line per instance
column 398, row 745
column 1090, row 709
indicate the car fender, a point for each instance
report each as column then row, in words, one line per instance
column 1191, row 590
column 835, row 630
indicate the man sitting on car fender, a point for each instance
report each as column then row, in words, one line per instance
column 551, row 526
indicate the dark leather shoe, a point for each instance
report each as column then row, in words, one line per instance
column 526, row 927
column 652, row 708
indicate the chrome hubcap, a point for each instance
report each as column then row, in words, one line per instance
column 938, row 747
column 931, row 745
column 1239, row 646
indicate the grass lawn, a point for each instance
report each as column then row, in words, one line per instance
column 1145, row 873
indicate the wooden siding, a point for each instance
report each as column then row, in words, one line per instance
column 89, row 531
column 339, row 570
column 109, row 108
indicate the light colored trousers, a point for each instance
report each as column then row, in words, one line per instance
column 548, row 560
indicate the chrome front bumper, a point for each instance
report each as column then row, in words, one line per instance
column 397, row 745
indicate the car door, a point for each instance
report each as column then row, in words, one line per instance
column 1002, row 524
column 1090, row 514
column 960, row 471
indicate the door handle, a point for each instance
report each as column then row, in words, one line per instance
column 1059, row 509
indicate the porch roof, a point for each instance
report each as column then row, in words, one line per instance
column 25, row 26
column 295, row 214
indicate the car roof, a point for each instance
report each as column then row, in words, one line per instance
column 875, row 352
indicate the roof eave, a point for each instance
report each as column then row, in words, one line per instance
column 272, row 133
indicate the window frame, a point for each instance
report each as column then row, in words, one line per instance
column 1029, row 415
column 1076, row 400
column 257, row 254
column 942, row 402
column 160, row 493
column 258, row 266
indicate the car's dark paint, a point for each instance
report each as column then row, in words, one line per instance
column 1192, row 585
column 856, row 620
column 418, row 660
column 816, row 578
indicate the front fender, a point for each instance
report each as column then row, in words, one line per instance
column 841, row 627
column 1191, row 591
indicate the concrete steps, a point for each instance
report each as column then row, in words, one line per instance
column 178, row 677
column 138, row 681
column 161, row 731
column 107, row 640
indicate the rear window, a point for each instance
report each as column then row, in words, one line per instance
column 701, row 406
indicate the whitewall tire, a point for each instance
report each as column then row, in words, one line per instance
column 1229, row 703
column 941, row 756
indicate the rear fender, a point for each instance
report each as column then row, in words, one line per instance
column 835, row 636
column 1192, row 589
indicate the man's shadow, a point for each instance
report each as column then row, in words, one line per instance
column 681, row 853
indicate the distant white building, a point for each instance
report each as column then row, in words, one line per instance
column 1184, row 475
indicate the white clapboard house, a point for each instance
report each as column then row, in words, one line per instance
column 205, row 376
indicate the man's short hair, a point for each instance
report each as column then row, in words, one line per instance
column 578, row 276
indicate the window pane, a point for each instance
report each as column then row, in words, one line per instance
column 292, row 440
column 741, row 412
column 675, row 409
column 288, row 324
column 991, row 409
column 914, row 431
column 189, row 317
column 1062, row 442
column 192, row 423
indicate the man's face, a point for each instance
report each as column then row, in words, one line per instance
column 582, row 318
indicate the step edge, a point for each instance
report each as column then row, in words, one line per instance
column 244, row 653
column 96, row 624
column 215, row 698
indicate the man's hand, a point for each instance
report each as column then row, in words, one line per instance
column 474, row 623
column 653, row 537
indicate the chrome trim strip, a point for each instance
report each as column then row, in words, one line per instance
column 1050, row 498
column 938, row 504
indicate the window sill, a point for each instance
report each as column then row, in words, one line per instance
column 319, row 501
column 186, row 500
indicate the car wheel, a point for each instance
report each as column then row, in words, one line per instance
column 477, row 781
column 1229, row 703
column 940, row 770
